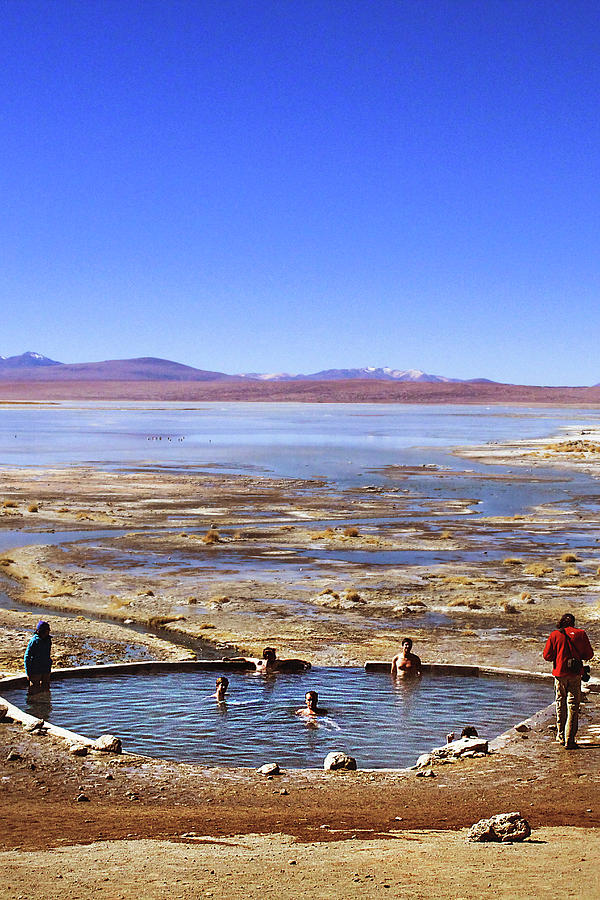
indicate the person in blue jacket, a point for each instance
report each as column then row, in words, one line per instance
column 38, row 662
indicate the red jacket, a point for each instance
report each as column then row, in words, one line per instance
column 557, row 649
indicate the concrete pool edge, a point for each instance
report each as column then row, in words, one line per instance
column 371, row 666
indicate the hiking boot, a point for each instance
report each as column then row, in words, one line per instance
column 571, row 745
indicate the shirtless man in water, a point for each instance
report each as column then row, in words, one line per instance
column 312, row 707
column 406, row 664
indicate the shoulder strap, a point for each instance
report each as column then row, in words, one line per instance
column 573, row 649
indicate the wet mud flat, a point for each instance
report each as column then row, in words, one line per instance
column 335, row 574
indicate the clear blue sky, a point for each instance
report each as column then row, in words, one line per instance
column 288, row 186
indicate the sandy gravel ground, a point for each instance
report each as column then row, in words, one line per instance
column 420, row 864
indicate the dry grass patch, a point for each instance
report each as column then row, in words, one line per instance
column 212, row 536
column 569, row 557
column 512, row 561
column 571, row 572
column 538, row 569
column 33, row 508
column 467, row 602
column 351, row 531
column 10, row 504
column 573, row 583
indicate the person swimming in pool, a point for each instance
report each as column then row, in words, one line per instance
column 406, row 664
column 269, row 663
column 312, row 708
column 222, row 684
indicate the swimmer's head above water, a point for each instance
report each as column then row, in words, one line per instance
column 221, row 685
column 312, row 708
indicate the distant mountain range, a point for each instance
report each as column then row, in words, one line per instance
column 33, row 366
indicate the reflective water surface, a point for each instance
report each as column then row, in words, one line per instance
column 381, row 723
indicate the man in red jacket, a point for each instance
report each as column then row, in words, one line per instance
column 566, row 647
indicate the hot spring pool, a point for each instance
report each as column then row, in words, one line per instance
column 380, row 722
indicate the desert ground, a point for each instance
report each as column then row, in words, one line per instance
column 212, row 564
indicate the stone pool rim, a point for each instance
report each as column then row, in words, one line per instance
column 16, row 714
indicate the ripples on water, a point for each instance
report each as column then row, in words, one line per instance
column 381, row 723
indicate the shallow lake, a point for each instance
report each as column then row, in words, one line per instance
column 380, row 722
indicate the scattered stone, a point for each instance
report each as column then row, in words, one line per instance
column 292, row 862
column 82, row 798
column 13, row 755
column 37, row 727
column 78, row 750
column 269, row 769
column 108, row 743
column 131, row 795
column 109, row 776
column 337, row 760
column 3, row 711
column 504, row 828
column 284, row 792
column 522, row 727
column 463, row 748
column 426, row 773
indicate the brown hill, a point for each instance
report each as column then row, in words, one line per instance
column 224, row 389
column 146, row 368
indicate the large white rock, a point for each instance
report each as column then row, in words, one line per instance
column 269, row 769
column 337, row 760
column 504, row 828
column 108, row 743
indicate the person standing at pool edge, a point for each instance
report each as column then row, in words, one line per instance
column 406, row 664
column 38, row 662
column 566, row 647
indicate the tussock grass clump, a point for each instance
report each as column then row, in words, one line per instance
column 319, row 535
column 571, row 572
column 6, row 561
column 510, row 609
column 446, row 535
column 206, row 625
column 212, row 536
column 573, row 583
column 569, row 557
column 351, row 531
column 33, row 508
column 63, row 509
column 458, row 579
column 525, row 596
column 538, row 569
column 329, row 591
column 512, row 561
column 10, row 504
column 353, row 597
column 467, row 602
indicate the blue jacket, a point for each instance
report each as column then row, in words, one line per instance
column 37, row 655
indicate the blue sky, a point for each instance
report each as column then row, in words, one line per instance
column 289, row 186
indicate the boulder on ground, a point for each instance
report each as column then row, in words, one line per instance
column 337, row 760
column 504, row 828
column 108, row 743
column 78, row 750
column 269, row 769
column 3, row 711
column 463, row 748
